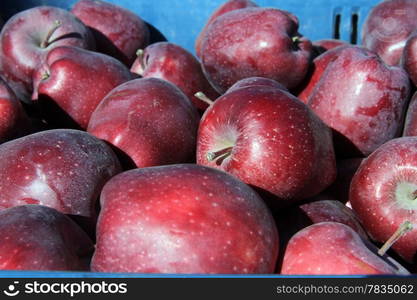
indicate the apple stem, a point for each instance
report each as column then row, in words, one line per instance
column 46, row 42
column 140, row 54
column 223, row 153
column 401, row 231
column 204, row 98
column 45, row 76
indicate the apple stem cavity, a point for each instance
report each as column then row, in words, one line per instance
column 401, row 231
column 46, row 42
column 204, row 98
column 219, row 155
column 140, row 55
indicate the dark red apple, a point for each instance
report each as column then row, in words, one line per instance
column 388, row 27
column 36, row 237
column 226, row 7
column 269, row 139
column 183, row 219
column 410, row 126
column 409, row 57
column 257, row 81
column 322, row 46
column 255, row 42
column 118, row 31
column 361, row 98
column 74, row 81
column 331, row 248
column 13, row 120
column 148, row 119
column 27, row 37
column 173, row 63
column 63, row 169
column 383, row 194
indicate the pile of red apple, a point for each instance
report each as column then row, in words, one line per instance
column 266, row 153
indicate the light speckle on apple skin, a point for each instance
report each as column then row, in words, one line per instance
column 251, row 42
column 373, row 197
column 36, row 237
column 20, row 51
column 330, row 248
column 162, row 220
column 280, row 145
column 361, row 97
column 126, row 30
column 78, row 80
column 64, row 169
column 150, row 120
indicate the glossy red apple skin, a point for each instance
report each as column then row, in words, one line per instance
column 21, row 38
column 382, row 190
column 150, row 120
column 36, row 237
column 173, row 63
column 409, row 57
column 76, row 80
column 183, row 219
column 331, row 248
column 255, row 42
column 63, row 169
column 362, row 99
column 13, row 120
column 119, row 32
column 388, row 27
column 279, row 144
column 226, row 7
column 257, row 81
column 410, row 125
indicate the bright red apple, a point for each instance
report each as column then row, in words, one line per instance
column 255, row 42
column 74, row 81
column 331, row 248
column 63, row 169
column 173, row 63
column 118, row 31
column 27, row 37
column 150, row 120
column 383, row 194
column 36, row 237
column 226, row 7
column 388, row 27
column 183, row 219
column 269, row 139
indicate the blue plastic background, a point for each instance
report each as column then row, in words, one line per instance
column 181, row 21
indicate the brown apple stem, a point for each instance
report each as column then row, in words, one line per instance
column 46, row 42
column 401, row 231
column 140, row 57
column 223, row 153
column 204, row 98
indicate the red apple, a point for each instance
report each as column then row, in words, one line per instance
column 36, row 237
column 324, row 45
column 387, row 28
column 183, row 219
column 269, row 139
column 331, row 248
column 27, row 37
column 255, row 42
column 383, row 193
column 409, row 57
column 173, row 63
column 118, row 31
column 63, row 169
column 150, row 120
column 13, row 120
column 410, row 126
column 76, row 80
column 226, row 7
column 256, row 81
column 361, row 98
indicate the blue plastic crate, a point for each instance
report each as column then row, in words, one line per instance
column 181, row 21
